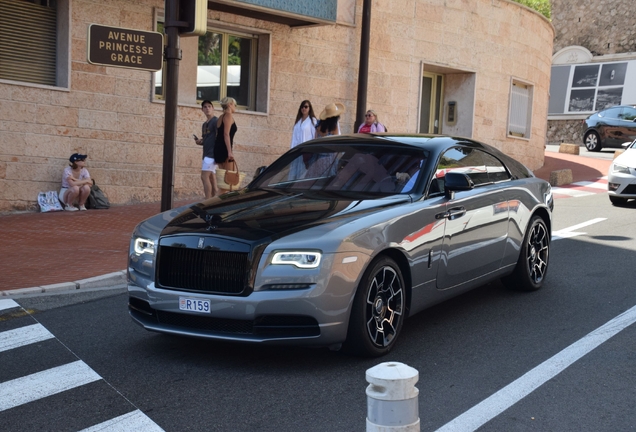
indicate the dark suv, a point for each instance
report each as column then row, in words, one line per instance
column 610, row 127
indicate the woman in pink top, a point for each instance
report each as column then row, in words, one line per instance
column 371, row 123
column 76, row 183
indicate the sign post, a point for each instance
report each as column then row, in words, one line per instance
column 136, row 49
column 171, row 87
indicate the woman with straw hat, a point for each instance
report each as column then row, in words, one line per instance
column 321, row 164
column 329, row 118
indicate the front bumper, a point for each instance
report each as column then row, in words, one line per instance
column 622, row 185
column 291, row 317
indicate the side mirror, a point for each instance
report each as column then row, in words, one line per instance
column 454, row 181
column 626, row 144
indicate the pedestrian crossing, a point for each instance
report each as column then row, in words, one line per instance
column 580, row 189
column 35, row 392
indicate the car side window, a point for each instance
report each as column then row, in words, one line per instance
column 496, row 169
column 628, row 114
column 611, row 113
column 460, row 159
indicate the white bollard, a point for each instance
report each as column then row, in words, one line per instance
column 392, row 403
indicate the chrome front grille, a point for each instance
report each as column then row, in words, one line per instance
column 202, row 270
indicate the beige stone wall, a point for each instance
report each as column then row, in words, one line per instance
column 601, row 26
column 108, row 112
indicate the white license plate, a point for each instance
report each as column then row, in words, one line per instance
column 194, row 305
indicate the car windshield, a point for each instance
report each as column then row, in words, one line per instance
column 363, row 169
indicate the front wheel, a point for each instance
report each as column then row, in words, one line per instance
column 378, row 310
column 532, row 265
column 592, row 142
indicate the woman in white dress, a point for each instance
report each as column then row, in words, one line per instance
column 304, row 130
column 305, row 126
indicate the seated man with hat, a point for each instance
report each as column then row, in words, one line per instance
column 76, row 183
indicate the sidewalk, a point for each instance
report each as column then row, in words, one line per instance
column 55, row 248
column 50, row 252
column 583, row 168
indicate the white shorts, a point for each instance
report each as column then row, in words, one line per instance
column 61, row 194
column 208, row 164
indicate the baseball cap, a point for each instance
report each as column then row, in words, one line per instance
column 77, row 156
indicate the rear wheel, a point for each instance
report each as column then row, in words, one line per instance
column 532, row 266
column 617, row 201
column 592, row 141
column 378, row 310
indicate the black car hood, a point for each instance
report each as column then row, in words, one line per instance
column 254, row 215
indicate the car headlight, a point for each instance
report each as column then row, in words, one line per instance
column 300, row 259
column 144, row 246
column 620, row 169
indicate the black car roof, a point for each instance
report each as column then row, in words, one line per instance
column 424, row 141
column 431, row 142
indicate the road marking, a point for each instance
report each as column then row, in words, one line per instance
column 46, row 383
column 8, row 304
column 602, row 185
column 570, row 231
column 23, row 336
column 133, row 421
column 581, row 188
column 489, row 408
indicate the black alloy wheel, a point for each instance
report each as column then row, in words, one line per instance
column 532, row 266
column 378, row 310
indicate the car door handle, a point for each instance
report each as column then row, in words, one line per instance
column 454, row 213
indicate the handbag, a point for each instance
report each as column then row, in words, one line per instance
column 232, row 176
column 48, row 201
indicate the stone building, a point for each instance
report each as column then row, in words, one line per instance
column 594, row 63
column 487, row 60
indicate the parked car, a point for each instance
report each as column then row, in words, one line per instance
column 621, row 178
column 340, row 240
column 610, row 127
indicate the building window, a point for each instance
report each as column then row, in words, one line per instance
column 596, row 87
column 229, row 63
column 34, row 41
column 587, row 88
column 226, row 67
column 520, row 115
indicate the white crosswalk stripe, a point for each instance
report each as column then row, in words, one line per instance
column 133, row 421
column 54, row 381
column 46, row 383
column 8, row 304
column 23, row 336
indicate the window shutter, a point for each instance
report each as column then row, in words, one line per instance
column 28, row 41
column 519, row 109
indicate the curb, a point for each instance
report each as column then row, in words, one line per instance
column 103, row 281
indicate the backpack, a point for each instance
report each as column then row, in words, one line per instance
column 97, row 199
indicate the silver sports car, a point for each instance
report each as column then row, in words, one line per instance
column 340, row 240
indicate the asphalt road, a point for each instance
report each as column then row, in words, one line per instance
column 466, row 350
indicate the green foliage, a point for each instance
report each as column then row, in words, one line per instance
column 210, row 49
column 542, row 6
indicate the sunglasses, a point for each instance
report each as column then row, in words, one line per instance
column 305, row 106
column 368, row 115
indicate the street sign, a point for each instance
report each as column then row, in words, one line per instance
column 128, row 48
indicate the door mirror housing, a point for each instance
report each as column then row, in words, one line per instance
column 454, row 181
